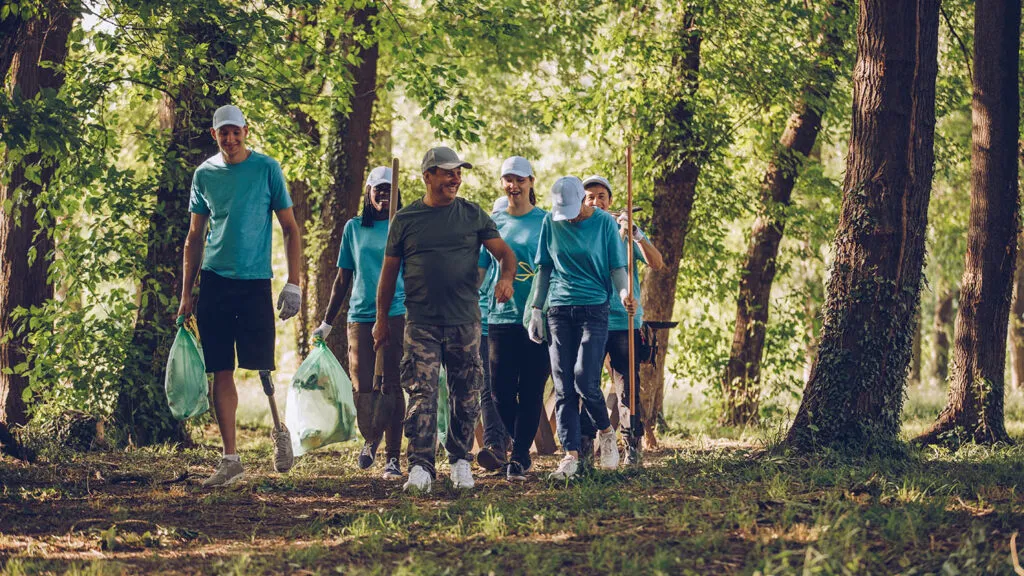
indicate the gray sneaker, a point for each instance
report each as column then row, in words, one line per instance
column 228, row 472
column 283, row 457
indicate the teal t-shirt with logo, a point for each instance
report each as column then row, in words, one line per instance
column 362, row 252
column 582, row 256
column 617, row 317
column 522, row 234
column 239, row 199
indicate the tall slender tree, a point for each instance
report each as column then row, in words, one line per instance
column 742, row 383
column 974, row 410
column 1016, row 327
column 854, row 396
column 674, row 193
column 347, row 150
column 25, row 244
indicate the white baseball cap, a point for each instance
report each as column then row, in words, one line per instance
column 500, row 205
column 228, row 116
column 595, row 179
column 566, row 198
column 517, row 166
column 379, row 175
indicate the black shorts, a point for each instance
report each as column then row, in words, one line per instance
column 235, row 312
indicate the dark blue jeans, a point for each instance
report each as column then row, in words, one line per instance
column 577, row 340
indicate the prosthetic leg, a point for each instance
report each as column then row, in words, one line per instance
column 283, row 456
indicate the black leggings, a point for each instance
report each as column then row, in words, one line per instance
column 519, row 371
column 617, row 349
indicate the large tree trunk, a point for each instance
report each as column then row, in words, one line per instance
column 12, row 35
column 1017, row 321
column 974, row 410
column 854, row 397
column 25, row 249
column 141, row 413
column 942, row 325
column 674, row 193
column 742, row 382
column 347, row 152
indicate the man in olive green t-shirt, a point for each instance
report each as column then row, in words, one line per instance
column 437, row 238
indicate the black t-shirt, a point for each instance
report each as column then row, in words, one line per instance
column 439, row 248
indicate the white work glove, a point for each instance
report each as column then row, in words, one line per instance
column 322, row 331
column 624, row 221
column 289, row 300
column 536, row 328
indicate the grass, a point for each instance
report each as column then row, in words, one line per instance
column 709, row 502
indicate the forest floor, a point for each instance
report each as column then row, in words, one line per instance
column 704, row 503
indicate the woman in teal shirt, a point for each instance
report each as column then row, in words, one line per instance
column 359, row 262
column 519, row 368
column 580, row 260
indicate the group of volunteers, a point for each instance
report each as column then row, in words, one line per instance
column 499, row 300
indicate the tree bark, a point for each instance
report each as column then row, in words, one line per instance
column 141, row 413
column 674, row 193
column 742, row 383
column 854, row 396
column 1016, row 327
column 347, row 150
column 25, row 246
column 942, row 326
column 974, row 410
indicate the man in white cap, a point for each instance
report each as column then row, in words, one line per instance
column 436, row 241
column 359, row 262
column 235, row 192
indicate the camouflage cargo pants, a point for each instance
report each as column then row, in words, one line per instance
column 427, row 347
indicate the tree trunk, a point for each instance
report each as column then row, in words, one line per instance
column 300, row 192
column 25, row 249
column 141, row 413
column 942, row 326
column 1016, row 327
column 854, row 396
column 674, row 192
column 742, row 383
column 974, row 410
column 347, row 158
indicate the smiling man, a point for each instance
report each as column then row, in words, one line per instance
column 234, row 192
column 437, row 238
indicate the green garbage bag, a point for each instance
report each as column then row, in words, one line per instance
column 320, row 409
column 443, row 411
column 185, row 378
column 528, row 311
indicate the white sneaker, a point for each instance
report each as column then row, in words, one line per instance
column 566, row 468
column 609, row 451
column 462, row 476
column 419, row 480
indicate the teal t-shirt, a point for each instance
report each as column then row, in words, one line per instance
column 522, row 234
column 239, row 199
column 617, row 317
column 581, row 256
column 362, row 252
column 486, row 288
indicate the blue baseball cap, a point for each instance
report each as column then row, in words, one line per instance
column 379, row 175
column 517, row 166
column 566, row 198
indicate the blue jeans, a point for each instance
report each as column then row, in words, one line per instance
column 577, row 340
